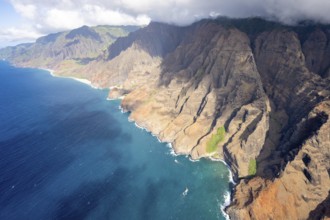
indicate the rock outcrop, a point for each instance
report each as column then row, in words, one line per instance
column 251, row 92
column 301, row 187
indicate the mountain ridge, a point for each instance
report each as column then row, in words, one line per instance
column 68, row 49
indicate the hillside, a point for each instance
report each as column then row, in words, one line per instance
column 66, row 51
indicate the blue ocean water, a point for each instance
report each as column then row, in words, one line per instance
column 68, row 153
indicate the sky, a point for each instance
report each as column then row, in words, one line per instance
column 25, row 20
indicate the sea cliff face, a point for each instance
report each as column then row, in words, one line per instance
column 250, row 92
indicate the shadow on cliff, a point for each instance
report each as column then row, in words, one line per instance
column 158, row 39
column 322, row 211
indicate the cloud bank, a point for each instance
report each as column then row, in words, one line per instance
column 45, row 16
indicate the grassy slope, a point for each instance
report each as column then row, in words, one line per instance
column 216, row 138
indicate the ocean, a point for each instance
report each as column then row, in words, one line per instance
column 68, row 153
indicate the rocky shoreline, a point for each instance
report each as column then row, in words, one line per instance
column 120, row 96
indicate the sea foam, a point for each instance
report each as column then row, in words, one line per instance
column 84, row 81
column 226, row 203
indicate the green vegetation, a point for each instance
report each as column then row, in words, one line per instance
column 216, row 138
column 114, row 31
column 252, row 167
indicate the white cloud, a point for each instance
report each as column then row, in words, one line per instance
column 55, row 15
column 62, row 19
column 26, row 10
column 18, row 34
column 290, row 11
column 94, row 14
column 173, row 11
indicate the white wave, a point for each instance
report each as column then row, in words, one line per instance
column 119, row 98
column 122, row 110
column 169, row 145
column 185, row 192
column 230, row 175
column 193, row 160
column 145, row 129
column 172, row 151
column 159, row 140
column 130, row 120
column 51, row 72
column 85, row 81
column 216, row 159
column 138, row 126
column 226, row 203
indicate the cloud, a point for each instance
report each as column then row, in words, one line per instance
column 47, row 16
column 61, row 19
column 13, row 36
column 51, row 13
column 290, row 11
column 95, row 14
column 18, row 34
column 28, row 11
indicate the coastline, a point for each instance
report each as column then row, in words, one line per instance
column 173, row 153
column 84, row 81
column 227, row 197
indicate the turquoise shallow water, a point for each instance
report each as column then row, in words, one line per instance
column 68, row 153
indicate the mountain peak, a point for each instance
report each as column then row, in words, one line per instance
column 84, row 31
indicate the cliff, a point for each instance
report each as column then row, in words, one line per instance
column 251, row 92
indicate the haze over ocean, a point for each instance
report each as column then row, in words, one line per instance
column 68, row 153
